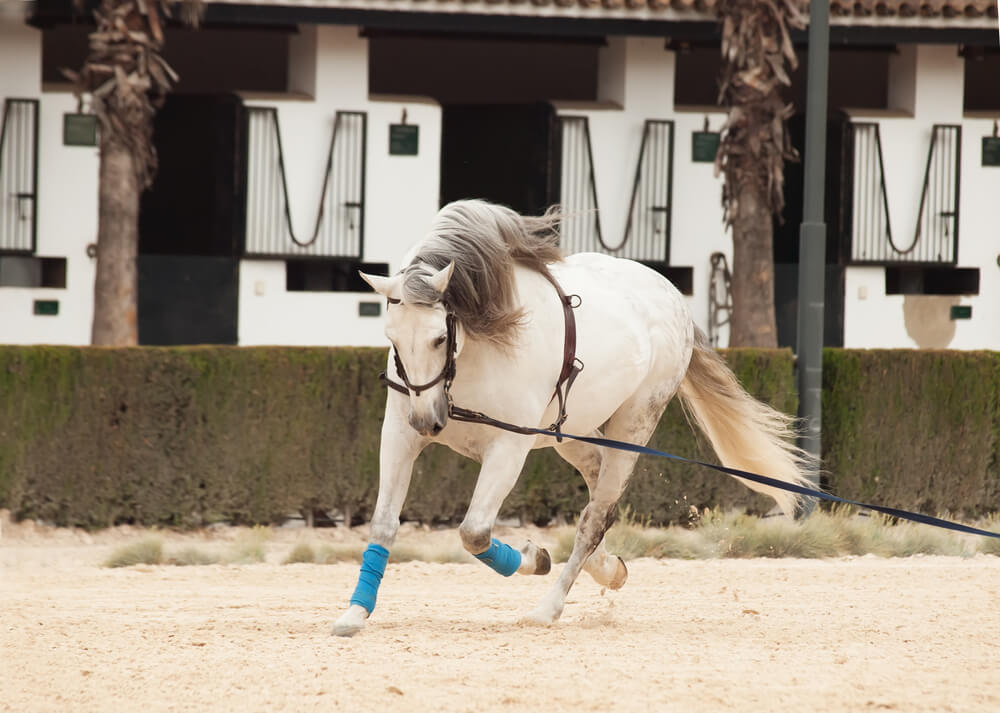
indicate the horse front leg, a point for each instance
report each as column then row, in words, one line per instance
column 400, row 446
column 501, row 467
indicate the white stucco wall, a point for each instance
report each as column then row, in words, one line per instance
column 330, row 71
column 635, row 83
column 67, row 202
column 401, row 195
column 929, row 85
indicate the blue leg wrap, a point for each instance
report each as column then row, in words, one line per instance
column 372, row 569
column 500, row 558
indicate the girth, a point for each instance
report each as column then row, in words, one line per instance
column 571, row 366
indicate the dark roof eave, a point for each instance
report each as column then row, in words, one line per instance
column 699, row 27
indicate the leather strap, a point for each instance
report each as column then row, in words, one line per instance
column 571, row 365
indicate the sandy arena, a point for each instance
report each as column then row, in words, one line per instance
column 917, row 634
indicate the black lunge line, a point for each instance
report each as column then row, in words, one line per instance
column 460, row 414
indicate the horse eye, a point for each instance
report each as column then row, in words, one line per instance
column 440, row 340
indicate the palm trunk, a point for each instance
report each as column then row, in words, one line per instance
column 116, row 285
column 756, row 48
column 753, row 318
column 126, row 80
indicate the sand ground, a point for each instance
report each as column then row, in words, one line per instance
column 857, row 634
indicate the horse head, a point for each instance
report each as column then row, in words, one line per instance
column 425, row 342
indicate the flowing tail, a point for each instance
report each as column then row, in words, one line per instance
column 746, row 434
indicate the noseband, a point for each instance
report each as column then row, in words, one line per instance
column 570, row 369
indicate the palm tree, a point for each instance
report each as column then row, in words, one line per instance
column 756, row 50
column 127, row 80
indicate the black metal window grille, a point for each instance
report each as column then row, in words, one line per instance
column 339, row 227
column 647, row 228
column 19, row 176
column 935, row 236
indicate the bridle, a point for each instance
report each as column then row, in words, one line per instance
column 571, row 368
column 447, row 372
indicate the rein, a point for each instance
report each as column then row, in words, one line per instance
column 571, row 367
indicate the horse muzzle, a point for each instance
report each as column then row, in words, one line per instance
column 430, row 422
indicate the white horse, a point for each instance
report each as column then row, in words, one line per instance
column 486, row 266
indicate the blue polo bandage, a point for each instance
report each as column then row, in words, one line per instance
column 500, row 558
column 372, row 569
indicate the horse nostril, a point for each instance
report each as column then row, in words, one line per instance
column 437, row 429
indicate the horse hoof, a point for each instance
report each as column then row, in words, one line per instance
column 539, row 616
column 621, row 575
column 534, row 560
column 351, row 622
column 543, row 562
column 346, row 629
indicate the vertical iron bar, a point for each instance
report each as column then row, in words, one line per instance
column 36, row 110
column 668, row 216
column 251, row 192
column 958, row 187
column 364, row 175
column 278, row 235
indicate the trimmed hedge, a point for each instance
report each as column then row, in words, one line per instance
column 186, row 436
column 918, row 430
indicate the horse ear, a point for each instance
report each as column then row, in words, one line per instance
column 385, row 286
column 439, row 280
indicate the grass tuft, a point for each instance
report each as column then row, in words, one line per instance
column 250, row 547
column 838, row 532
column 991, row 545
column 192, row 557
column 146, row 551
column 301, row 554
column 332, row 554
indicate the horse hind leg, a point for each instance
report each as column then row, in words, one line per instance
column 606, row 569
column 634, row 421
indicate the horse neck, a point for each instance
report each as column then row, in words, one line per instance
column 537, row 340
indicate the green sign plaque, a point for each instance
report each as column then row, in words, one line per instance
column 369, row 309
column 991, row 151
column 961, row 311
column 47, row 307
column 79, row 130
column 704, row 146
column 403, row 139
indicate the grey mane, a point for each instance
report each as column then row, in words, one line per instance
column 485, row 241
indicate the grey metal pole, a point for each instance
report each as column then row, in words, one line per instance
column 812, row 234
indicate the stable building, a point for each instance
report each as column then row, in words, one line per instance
column 307, row 139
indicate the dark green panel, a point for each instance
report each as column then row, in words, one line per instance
column 79, row 130
column 404, row 139
column 991, row 151
column 961, row 311
column 704, row 146
column 47, row 307
column 369, row 309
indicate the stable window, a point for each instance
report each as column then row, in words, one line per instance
column 26, row 271
column 330, row 275
column 483, row 70
column 982, row 79
column 932, row 280
column 207, row 59
column 858, row 79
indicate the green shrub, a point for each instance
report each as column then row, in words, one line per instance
column 918, row 430
column 184, row 436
